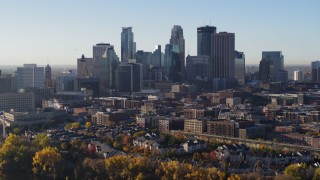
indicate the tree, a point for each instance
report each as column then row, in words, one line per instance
column 296, row 171
column 138, row 134
column 41, row 141
column 16, row 130
column 127, row 139
column 46, row 159
column 15, row 153
column 316, row 175
column 88, row 124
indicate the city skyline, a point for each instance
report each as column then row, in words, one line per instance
column 58, row 33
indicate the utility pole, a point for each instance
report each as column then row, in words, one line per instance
column 3, row 126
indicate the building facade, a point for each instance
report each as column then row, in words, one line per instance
column 128, row 46
column 30, row 76
column 177, row 71
column 204, row 40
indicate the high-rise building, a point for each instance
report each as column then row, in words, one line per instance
column 276, row 65
column 16, row 101
column 47, row 76
column 99, row 50
column 264, row 70
column 30, row 76
column 156, row 65
column 128, row 46
column 198, row 68
column 65, row 81
column 223, row 47
column 178, row 70
column 204, row 40
column 315, row 66
column 144, row 58
column 168, row 63
column 298, row 75
column 85, row 67
column 129, row 77
column 8, row 84
column 105, row 61
column 240, row 66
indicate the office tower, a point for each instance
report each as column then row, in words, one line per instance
column 298, row 75
column 144, row 58
column 264, row 70
column 30, row 76
column 276, row 65
column 198, row 68
column 223, row 47
column 204, row 40
column 105, row 61
column 129, row 77
column 65, row 81
column 85, row 67
column 239, row 62
column 315, row 66
column 157, row 57
column 168, row 63
column 8, row 83
column 47, row 76
column 99, row 50
column 128, row 46
column 178, row 71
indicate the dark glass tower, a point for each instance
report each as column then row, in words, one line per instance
column 204, row 40
column 178, row 70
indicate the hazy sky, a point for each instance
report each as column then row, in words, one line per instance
column 59, row 31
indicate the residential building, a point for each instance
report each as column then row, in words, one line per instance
column 195, row 125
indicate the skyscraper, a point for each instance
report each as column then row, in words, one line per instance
column 276, row 66
column 178, row 70
column 30, row 76
column 128, row 46
column 298, row 75
column 198, row 68
column 223, row 47
column 129, row 77
column 47, row 76
column 204, row 40
column 240, row 66
column 315, row 66
column 264, row 70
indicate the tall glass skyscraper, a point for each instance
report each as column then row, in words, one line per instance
column 239, row 62
column 277, row 65
column 204, row 40
column 178, row 70
column 128, row 46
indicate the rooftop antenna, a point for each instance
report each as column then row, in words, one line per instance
column 210, row 21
